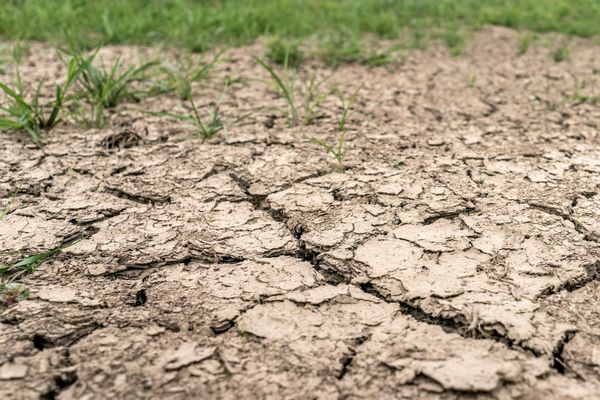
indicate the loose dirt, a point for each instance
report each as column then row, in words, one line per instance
column 457, row 257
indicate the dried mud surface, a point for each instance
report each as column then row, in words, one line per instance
column 457, row 257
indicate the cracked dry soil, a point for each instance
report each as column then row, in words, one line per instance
column 457, row 258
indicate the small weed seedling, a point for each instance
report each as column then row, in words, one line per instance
column 205, row 128
column 185, row 72
column 12, row 292
column 7, row 208
column 560, row 54
column 106, row 88
column 523, row 44
column 285, row 51
column 347, row 106
column 286, row 82
column 339, row 150
column 455, row 42
column 31, row 116
column 31, row 263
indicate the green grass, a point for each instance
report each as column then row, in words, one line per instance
column 311, row 94
column 285, row 51
column 198, row 25
column 339, row 150
column 206, row 128
column 104, row 88
column 26, row 112
column 561, row 53
column 11, row 293
column 181, row 74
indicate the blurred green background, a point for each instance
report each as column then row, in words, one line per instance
column 333, row 24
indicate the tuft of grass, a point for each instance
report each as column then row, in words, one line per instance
column 30, row 263
column 312, row 95
column 282, row 51
column 340, row 48
column 455, row 42
column 104, row 88
column 523, row 43
column 209, row 127
column 29, row 114
column 347, row 106
column 186, row 71
column 561, row 54
column 7, row 208
column 12, row 292
column 340, row 148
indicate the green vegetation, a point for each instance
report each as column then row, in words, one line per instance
column 11, row 293
column 523, row 43
column 206, row 128
column 455, row 42
column 185, row 71
column 197, row 25
column 106, row 88
column 311, row 94
column 340, row 148
column 7, row 209
column 285, row 51
column 30, row 115
column 561, row 53
column 30, row 263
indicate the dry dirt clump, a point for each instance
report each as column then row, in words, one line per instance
column 456, row 258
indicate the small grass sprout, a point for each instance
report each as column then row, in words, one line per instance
column 454, row 41
column 282, row 51
column 31, row 115
column 209, row 127
column 7, row 209
column 523, row 43
column 340, row 148
column 12, row 292
column 30, row 263
column 104, row 88
column 186, row 71
column 561, row 54
column 306, row 112
column 347, row 106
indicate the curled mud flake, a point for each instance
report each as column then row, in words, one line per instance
column 402, row 351
column 301, row 198
column 279, row 321
column 448, row 275
column 347, row 314
column 139, row 197
column 263, row 278
column 123, row 139
column 384, row 255
column 326, row 238
column 27, row 233
column 442, row 235
column 10, row 371
column 238, row 231
column 186, row 354
column 321, row 294
column 222, row 327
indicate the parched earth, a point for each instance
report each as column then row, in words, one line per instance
column 456, row 258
